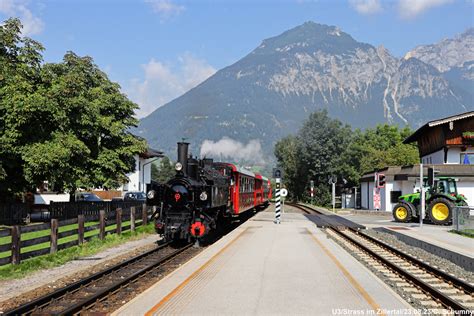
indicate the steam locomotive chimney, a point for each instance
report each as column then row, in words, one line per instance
column 183, row 155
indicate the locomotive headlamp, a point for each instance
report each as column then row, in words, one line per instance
column 151, row 194
column 178, row 166
column 203, row 196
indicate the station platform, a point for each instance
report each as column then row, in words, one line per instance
column 433, row 238
column 262, row 268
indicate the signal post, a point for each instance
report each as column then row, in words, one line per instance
column 277, row 175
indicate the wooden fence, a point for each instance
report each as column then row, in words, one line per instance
column 15, row 213
column 53, row 238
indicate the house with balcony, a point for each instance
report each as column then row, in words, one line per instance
column 446, row 141
column 446, row 144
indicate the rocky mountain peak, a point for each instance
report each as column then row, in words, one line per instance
column 448, row 53
column 268, row 93
column 309, row 36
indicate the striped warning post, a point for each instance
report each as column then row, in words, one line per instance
column 277, row 202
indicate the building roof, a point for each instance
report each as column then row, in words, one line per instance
column 413, row 171
column 151, row 153
column 414, row 137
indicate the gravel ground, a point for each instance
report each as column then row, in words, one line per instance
column 429, row 258
column 14, row 292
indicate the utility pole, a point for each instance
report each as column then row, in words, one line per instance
column 332, row 181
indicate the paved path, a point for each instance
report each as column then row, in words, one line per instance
column 266, row 269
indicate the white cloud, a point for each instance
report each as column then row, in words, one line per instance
column 19, row 8
column 166, row 8
column 230, row 148
column 412, row 8
column 164, row 82
column 366, row 6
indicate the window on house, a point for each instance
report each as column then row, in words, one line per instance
column 469, row 160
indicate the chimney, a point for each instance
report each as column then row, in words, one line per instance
column 183, row 155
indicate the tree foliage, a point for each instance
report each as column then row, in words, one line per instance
column 162, row 171
column 65, row 123
column 324, row 147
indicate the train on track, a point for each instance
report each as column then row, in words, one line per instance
column 204, row 196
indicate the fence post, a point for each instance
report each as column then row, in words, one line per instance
column 144, row 215
column 101, row 224
column 54, row 235
column 80, row 229
column 119, row 220
column 132, row 219
column 16, row 244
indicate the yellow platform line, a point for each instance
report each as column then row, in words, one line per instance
column 349, row 277
column 192, row 276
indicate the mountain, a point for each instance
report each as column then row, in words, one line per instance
column 267, row 94
column 448, row 53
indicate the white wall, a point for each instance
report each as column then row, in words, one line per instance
column 434, row 158
column 467, row 188
column 141, row 176
column 134, row 177
column 46, row 198
column 348, row 200
column 454, row 156
column 363, row 195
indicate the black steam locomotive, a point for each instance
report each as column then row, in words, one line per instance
column 191, row 204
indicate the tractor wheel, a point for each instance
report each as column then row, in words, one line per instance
column 440, row 211
column 402, row 212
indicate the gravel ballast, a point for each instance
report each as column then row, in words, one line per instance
column 431, row 259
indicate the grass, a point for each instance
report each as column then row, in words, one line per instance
column 465, row 232
column 92, row 247
column 47, row 232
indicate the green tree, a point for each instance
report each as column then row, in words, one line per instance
column 162, row 171
column 314, row 154
column 380, row 147
column 61, row 122
column 325, row 147
column 286, row 152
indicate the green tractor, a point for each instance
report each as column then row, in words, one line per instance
column 440, row 200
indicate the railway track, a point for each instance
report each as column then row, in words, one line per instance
column 84, row 294
column 435, row 289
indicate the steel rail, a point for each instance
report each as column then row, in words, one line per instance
column 47, row 298
column 446, row 300
column 88, row 301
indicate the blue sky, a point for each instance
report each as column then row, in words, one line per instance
column 158, row 49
